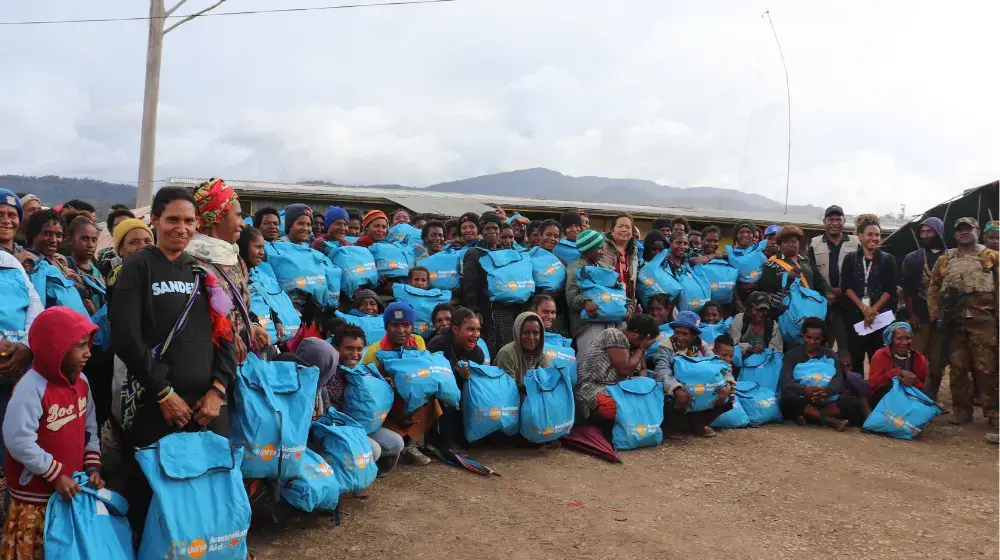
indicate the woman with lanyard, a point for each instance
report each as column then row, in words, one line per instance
column 868, row 278
column 214, row 245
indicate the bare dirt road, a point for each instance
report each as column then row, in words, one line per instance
column 780, row 491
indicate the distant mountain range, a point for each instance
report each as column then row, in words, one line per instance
column 545, row 183
column 54, row 190
column 526, row 183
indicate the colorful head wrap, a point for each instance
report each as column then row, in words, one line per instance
column 992, row 227
column 890, row 331
column 213, row 198
column 371, row 216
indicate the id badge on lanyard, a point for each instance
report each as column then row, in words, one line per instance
column 866, row 300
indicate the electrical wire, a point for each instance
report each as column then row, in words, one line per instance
column 238, row 13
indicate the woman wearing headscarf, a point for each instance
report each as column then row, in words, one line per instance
column 526, row 351
column 214, row 246
column 896, row 359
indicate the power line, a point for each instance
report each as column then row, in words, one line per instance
column 238, row 13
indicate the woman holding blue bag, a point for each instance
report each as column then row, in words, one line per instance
column 174, row 343
column 685, row 342
column 476, row 292
column 348, row 346
column 826, row 405
column 527, row 351
column 616, row 252
column 896, row 359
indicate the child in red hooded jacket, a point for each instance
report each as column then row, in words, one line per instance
column 50, row 428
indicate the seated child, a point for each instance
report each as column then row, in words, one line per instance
column 50, row 428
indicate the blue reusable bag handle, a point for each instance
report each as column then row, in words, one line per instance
column 115, row 503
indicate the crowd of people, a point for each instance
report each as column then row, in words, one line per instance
column 109, row 351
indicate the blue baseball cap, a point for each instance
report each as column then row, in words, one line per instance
column 771, row 230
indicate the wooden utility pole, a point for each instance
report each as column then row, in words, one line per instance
column 151, row 98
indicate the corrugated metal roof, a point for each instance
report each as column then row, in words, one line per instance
column 456, row 200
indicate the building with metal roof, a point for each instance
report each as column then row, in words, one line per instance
column 257, row 194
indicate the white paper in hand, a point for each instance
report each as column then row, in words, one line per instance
column 883, row 319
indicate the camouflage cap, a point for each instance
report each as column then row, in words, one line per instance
column 971, row 222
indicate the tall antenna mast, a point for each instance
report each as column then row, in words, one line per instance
column 788, row 92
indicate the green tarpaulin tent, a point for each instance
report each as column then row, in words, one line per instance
column 983, row 203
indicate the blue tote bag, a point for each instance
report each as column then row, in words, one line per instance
column 405, row 234
column 695, row 291
column 272, row 406
column 357, row 267
column 639, row 403
column 654, row 278
column 759, row 403
column 547, row 270
column 548, row 411
column 566, row 251
column 267, row 297
column 345, row 446
column 444, row 268
column 748, row 262
column 423, row 303
column 763, row 369
column 316, row 488
column 102, row 339
column 733, row 418
column 508, row 276
column 711, row 332
column 55, row 289
column 701, row 377
column 14, row 309
column 91, row 526
column 902, row 413
column 299, row 268
column 601, row 286
column 560, row 351
column 373, row 325
column 490, row 402
column 486, row 351
column 367, row 396
column 817, row 372
column 392, row 260
column 800, row 303
column 191, row 468
column 419, row 376
column 720, row 277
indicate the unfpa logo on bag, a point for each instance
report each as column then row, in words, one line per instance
column 699, row 389
column 422, row 327
column 754, row 274
column 766, row 403
column 695, row 302
column 267, row 452
column 423, row 373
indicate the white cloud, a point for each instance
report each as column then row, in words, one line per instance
column 889, row 106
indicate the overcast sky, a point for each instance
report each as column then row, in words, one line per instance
column 892, row 102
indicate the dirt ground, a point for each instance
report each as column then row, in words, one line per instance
column 779, row 491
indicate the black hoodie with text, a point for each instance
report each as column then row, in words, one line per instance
column 151, row 291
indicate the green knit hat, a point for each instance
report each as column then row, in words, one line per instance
column 587, row 240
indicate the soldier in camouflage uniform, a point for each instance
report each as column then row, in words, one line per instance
column 962, row 294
